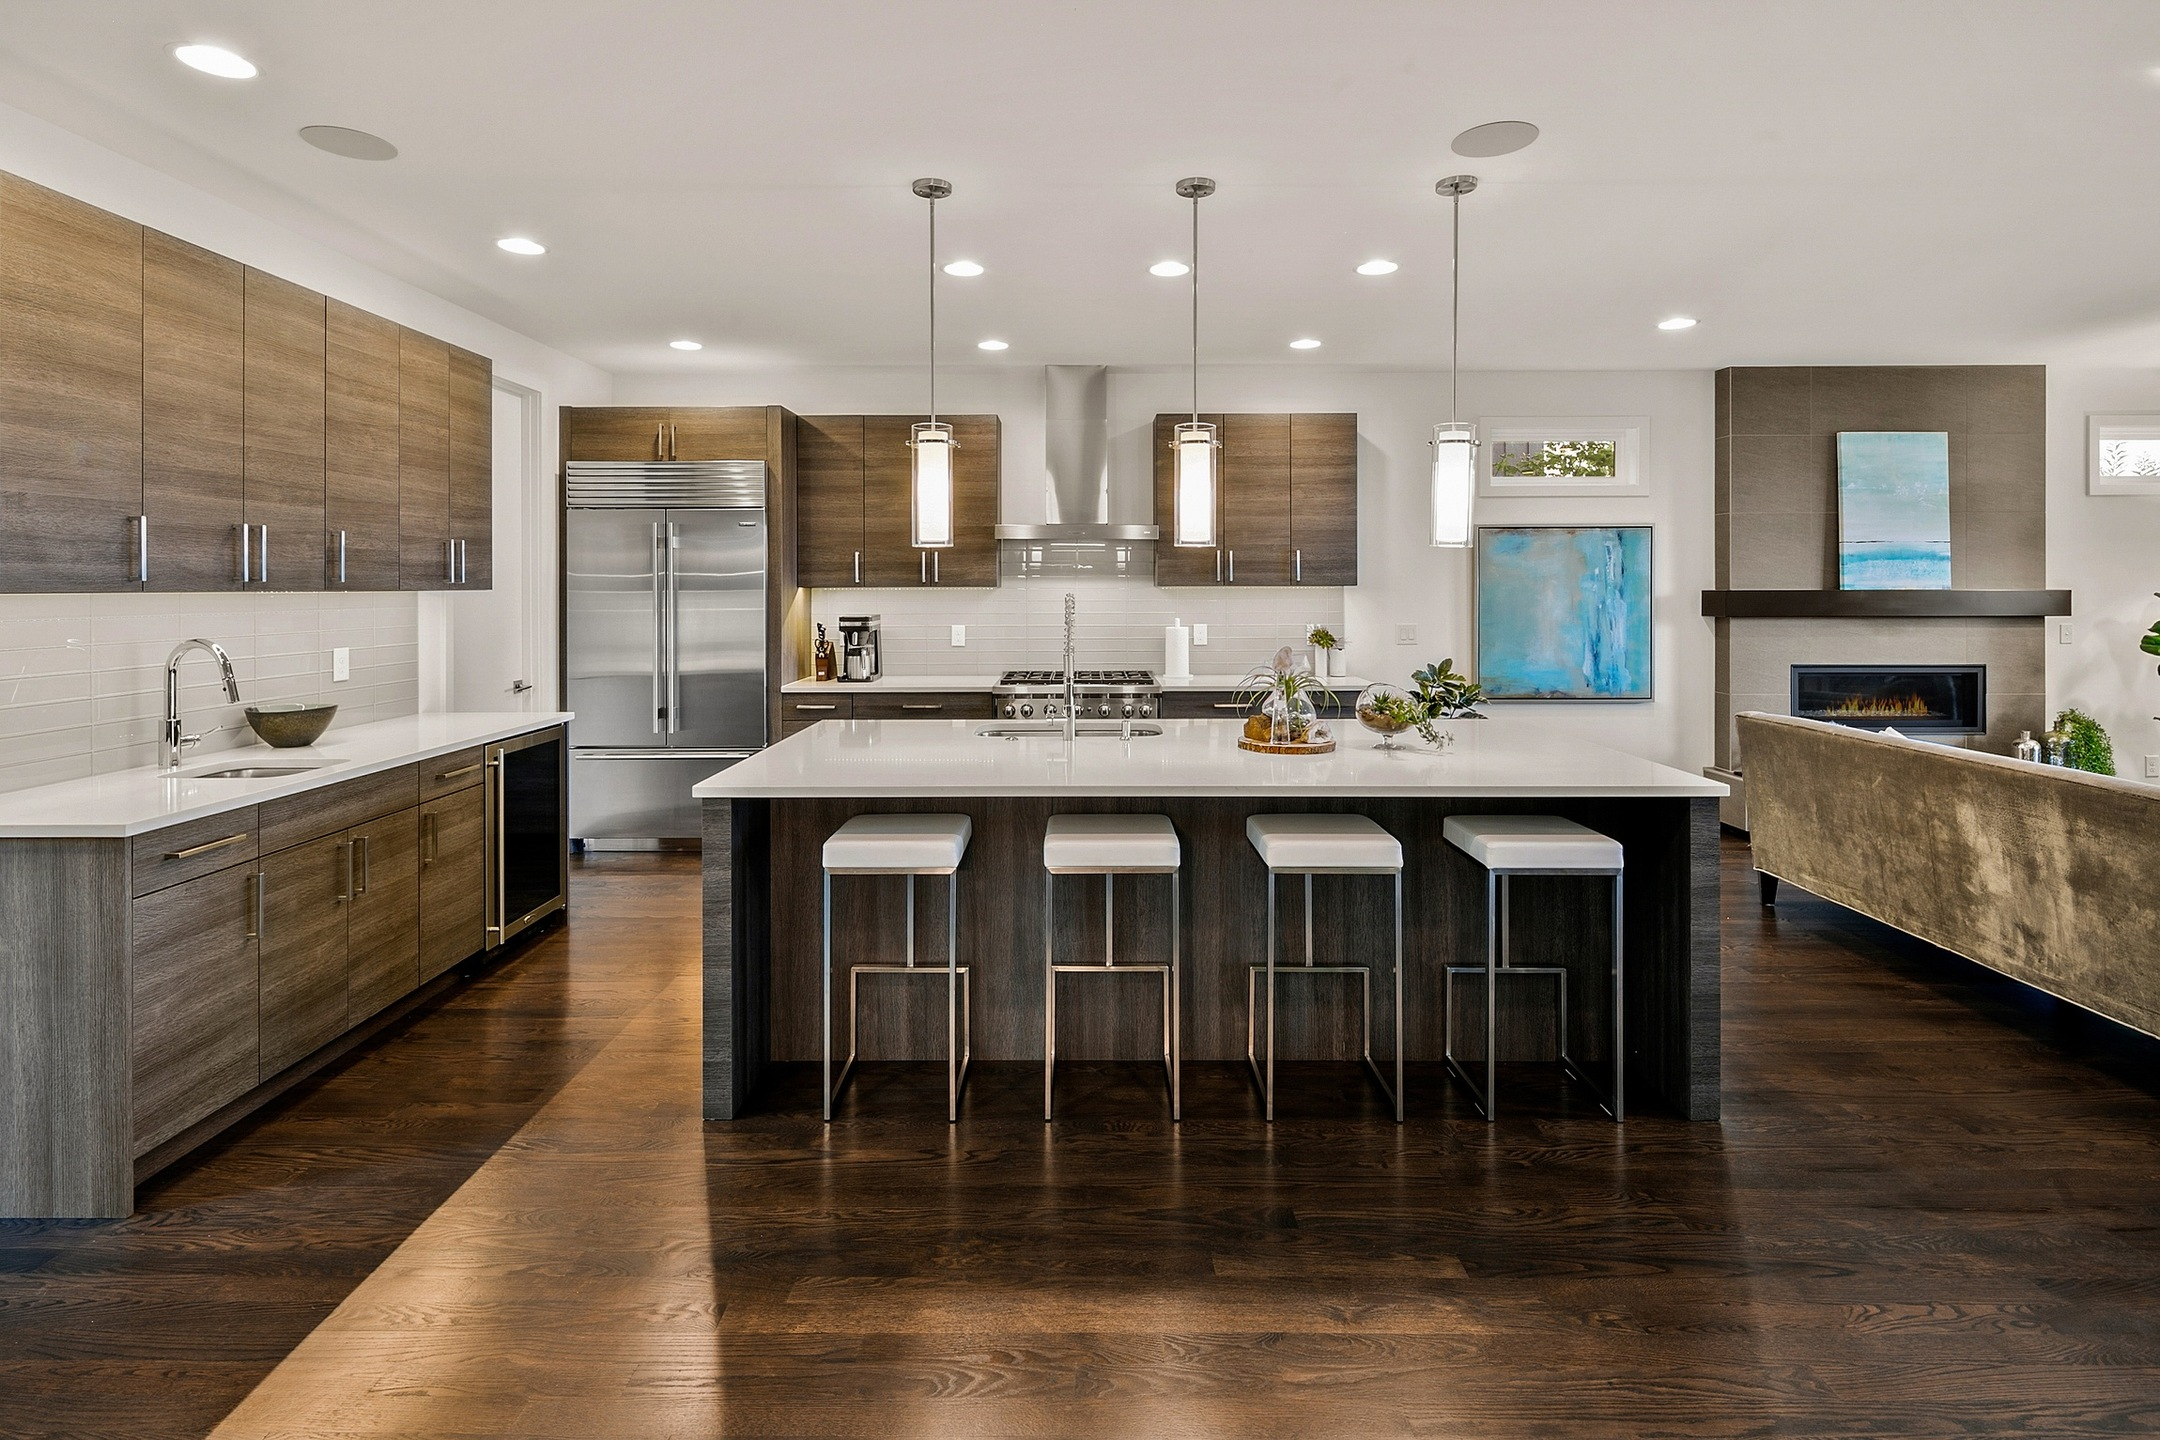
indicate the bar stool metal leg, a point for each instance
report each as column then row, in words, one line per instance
column 825, row 1085
column 1171, row 1056
column 1049, row 997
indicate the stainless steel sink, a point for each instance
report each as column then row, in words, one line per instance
column 252, row 772
column 1087, row 729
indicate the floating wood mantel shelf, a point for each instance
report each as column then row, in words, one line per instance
column 1883, row 604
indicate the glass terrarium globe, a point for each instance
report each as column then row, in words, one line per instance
column 1386, row 711
column 1290, row 720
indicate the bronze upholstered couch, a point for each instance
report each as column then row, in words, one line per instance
column 2044, row 874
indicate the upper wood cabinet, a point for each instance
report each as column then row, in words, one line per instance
column 161, row 404
column 1286, row 502
column 71, row 393
column 193, row 409
column 853, row 485
column 646, row 432
column 360, row 434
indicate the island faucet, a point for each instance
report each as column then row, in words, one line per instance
column 1072, row 730
column 175, row 742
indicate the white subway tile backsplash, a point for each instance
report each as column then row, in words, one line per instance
column 82, row 677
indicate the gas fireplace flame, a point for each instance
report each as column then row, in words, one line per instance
column 1888, row 707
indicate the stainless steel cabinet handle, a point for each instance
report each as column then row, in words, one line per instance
column 1233, row 565
column 674, row 639
column 206, row 847
column 906, row 706
column 922, row 567
column 935, row 579
column 428, row 840
column 367, row 871
column 341, row 557
column 858, row 567
column 255, row 905
column 449, row 562
column 464, row 562
column 817, row 707
column 1218, row 567
column 659, row 622
column 461, row 770
column 659, row 442
column 247, row 536
column 1229, row 705
column 262, row 570
column 142, row 548
column 495, row 843
column 1297, row 565
column 345, row 857
column 672, row 452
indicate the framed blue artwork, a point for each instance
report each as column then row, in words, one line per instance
column 1893, row 509
column 1563, row 612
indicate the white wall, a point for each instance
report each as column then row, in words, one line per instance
column 1404, row 581
column 2106, row 550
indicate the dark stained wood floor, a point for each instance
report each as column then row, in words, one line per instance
column 1933, row 1208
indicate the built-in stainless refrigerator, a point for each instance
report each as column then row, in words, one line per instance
column 663, row 639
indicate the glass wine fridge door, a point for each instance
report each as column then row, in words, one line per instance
column 528, row 832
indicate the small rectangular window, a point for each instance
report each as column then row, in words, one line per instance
column 1522, row 456
column 2122, row 455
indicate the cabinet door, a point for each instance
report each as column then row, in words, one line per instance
column 453, row 880
column 360, row 432
column 1256, row 499
column 729, row 432
column 382, row 934
column 889, row 554
column 70, row 392
column 423, row 462
column 829, row 534
column 472, row 468
column 616, row 432
column 282, row 433
column 1176, row 564
column 300, row 996
column 1323, row 499
column 191, row 1017
column 972, row 558
column 191, row 425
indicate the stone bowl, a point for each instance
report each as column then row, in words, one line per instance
column 289, row 726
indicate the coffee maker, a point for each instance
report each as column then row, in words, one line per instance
column 858, row 647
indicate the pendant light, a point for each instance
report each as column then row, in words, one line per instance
column 1455, row 444
column 1193, row 443
column 930, row 496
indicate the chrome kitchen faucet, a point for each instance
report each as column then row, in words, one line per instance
column 1072, row 608
column 175, row 742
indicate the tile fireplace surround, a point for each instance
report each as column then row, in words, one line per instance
column 1776, row 529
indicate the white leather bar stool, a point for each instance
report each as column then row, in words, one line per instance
column 1310, row 845
column 1110, row 846
column 1511, row 845
column 909, row 845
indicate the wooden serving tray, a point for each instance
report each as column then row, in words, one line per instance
column 1269, row 747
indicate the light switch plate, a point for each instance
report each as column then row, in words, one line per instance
column 1199, row 634
column 341, row 663
column 1406, row 634
column 959, row 636
column 2062, row 633
column 2152, row 767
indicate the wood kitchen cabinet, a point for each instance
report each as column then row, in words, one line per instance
column 360, row 432
column 854, row 475
column 193, row 417
column 1286, row 502
column 452, row 879
column 382, row 922
column 191, row 980
column 282, row 432
column 470, row 522
column 71, row 401
column 423, row 462
column 300, row 991
column 650, row 432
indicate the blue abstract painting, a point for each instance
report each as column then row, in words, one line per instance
column 1564, row 612
column 1893, row 510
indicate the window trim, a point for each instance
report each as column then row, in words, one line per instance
column 2099, row 429
column 1629, row 434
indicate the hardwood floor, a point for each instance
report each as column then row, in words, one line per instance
column 1931, row 1209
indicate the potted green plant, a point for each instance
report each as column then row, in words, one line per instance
column 1327, row 651
column 1445, row 693
column 1286, row 695
column 2087, row 746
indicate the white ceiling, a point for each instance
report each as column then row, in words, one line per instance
column 1830, row 181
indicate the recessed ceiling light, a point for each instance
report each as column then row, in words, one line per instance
column 352, row 144
column 991, row 345
column 1168, row 267
column 963, row 267
column 684, row 345
column 214, row 60
column 1677, row 322
column 1378, row 267
column 1308, row 343
column 519, row 245
column 1501, row 137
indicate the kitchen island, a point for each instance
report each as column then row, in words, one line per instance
column 766, row 819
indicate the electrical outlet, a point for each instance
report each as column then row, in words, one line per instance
column 959, row 636
column 341, row 663
column 1199, row 634
column 2152, row 767
column 1406, row 634
column 2062, row 633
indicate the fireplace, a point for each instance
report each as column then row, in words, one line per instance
column 1911, row 699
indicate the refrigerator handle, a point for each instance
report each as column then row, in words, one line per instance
column 659, row 624
column 674, row 636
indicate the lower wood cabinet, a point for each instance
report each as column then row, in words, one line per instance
column 452, row 879
column 192, row 974
column 382, row 927
column 300, row 997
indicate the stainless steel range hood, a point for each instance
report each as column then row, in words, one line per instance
column 1076, row 452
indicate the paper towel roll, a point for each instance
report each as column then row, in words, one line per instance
column 1177, row 651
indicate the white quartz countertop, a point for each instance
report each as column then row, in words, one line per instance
column 128, row 802
column 1345, row 685
column 1493, row 757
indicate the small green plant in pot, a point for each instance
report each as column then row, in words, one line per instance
column 1445, row 693
column 1287, row 696
column 1327, row 650
column 2089, row 748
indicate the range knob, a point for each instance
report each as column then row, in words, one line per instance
column 1128, row 712
column 1009, row 710
column 1146, row 710
column 1106, row 712
column 1026, row 711
column 1050, row 709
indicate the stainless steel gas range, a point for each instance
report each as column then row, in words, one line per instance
column 1101, row 694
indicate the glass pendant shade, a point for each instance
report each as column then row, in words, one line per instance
column 931, row 497
column 1194, row 447
column 1454, row 482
